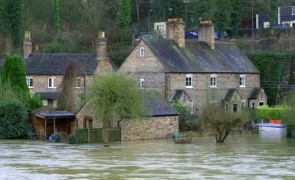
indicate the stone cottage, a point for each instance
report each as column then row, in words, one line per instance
column 201, row 70
column 160, row 121
column 44, row 71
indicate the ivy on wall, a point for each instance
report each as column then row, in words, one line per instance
column 272, row 66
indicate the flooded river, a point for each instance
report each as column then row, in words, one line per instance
column 240, row 157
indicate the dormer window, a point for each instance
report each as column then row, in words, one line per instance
column 242, row 80
column 141, row 52
column 188, row 81
column 213, row 81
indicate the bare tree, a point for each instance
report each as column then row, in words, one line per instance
column 66, row 100
column 220, row 121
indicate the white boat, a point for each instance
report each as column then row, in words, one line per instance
column 272, row 127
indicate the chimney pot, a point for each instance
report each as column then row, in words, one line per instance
column 101, row 46
column 206, row 33
column 175, row 31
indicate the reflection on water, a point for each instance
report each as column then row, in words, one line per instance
column 240, row 157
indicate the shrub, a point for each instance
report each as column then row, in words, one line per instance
column 14, row 122
column 265, row 112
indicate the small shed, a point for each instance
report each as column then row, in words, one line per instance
column 53, row 122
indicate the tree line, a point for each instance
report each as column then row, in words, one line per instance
column 71, row 26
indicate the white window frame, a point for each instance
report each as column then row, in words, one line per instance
column 242, row 80
column 78, row 83
column 141, row 83
column 293, row 10
column 253, row 105
column 189, row 81
column 213, row 81
column 52, row 85
column 30, row 82
column 141, row 52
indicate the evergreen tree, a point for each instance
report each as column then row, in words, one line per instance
column 13, row 72
column 124, row 13
column 273, row 6
column 222, row 15
column 56, row 16
column 12, row 17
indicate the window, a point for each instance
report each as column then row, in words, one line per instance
column 235, row 107
column 226, row 107
column 213, row 81
column 242, row 80
column 141, row 83
column 293, row 10
column 30, row 82
column 51, row 83
column 160, row 27
column 261, row 103
column 253, row 105
column 141, row 52
column 78, row 83
column 188, row 81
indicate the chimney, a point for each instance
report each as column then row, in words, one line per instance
column 175, row 31
column 101, row 46
column 27, row 45
column 206, row 33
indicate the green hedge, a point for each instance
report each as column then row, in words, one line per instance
column 268, row 113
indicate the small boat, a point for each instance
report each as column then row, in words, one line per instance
column 272, row 127
column 183, row 140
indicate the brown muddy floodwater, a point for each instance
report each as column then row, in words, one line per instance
column 240, row 157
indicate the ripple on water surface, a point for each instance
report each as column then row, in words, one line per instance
column 240, row 157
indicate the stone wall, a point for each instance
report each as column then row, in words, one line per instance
column 201, row 90
column 146, row 67
column 41, row 83
column 149, row 128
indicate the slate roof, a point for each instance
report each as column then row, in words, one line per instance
column 56, row 63
column 55, row 114
column 286, row 13
column 157, row 105
column 49, row 95
column 228, row 94
column 198, row 57
column 255, row 93
column 176, row 95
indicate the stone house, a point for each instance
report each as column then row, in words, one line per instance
column 161, row 119
column 204, row 70
column 44, row 71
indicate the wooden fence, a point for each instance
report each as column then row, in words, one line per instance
column 93, row 135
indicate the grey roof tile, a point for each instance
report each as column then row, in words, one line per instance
column 56, row 63
column 197, row 57
column 157, row 105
